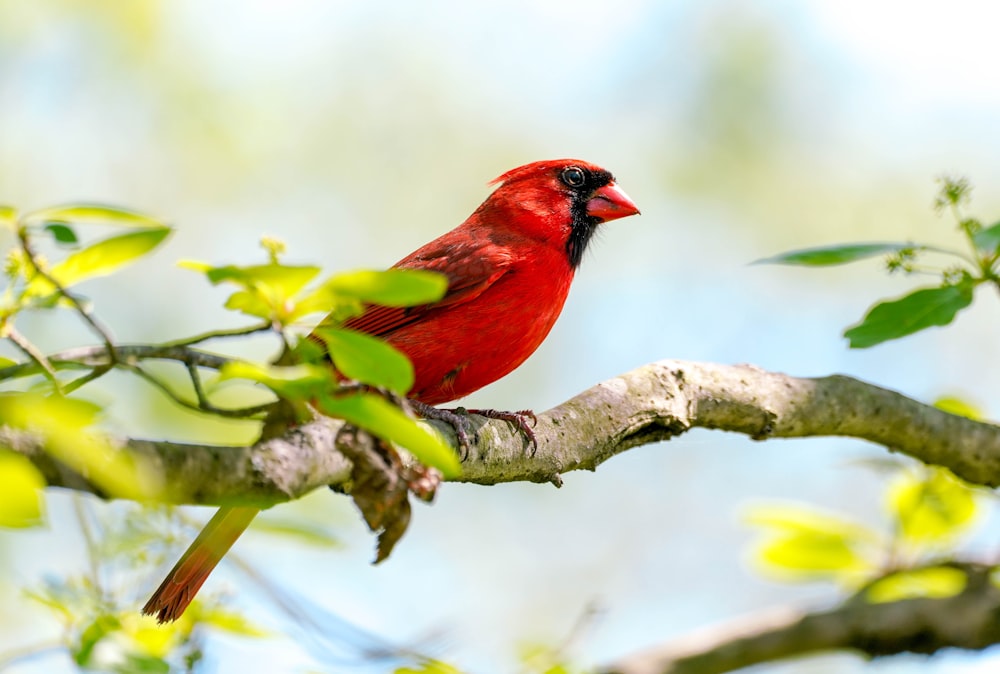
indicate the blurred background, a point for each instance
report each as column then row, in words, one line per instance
column 356, row 131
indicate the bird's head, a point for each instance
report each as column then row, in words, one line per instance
column 562, row 201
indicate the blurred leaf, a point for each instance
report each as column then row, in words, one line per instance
column 959, row 407
column 134, row 663
column 368, row 359
column 919, row 310
column 97, row 213
column 93, row 634
column 833, row 255
column 251, row 303
column 939, row 582
column 8, row 216
column 100, row 259
column 21, row 491
column 391, row 288
column 151, row 638
column 269, row 290
column 297, row 382
column 376, row 415
column 7, row 362
column 987, row 240
column 63, row 234
column 802, row 543
column 282, row 280
column 932, row 507
column 430, row 667
column 302, row 531
column 230, row 622
column 64, row 425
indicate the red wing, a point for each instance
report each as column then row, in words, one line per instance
column 471, row 268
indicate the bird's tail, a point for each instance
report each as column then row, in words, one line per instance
column 184, row 580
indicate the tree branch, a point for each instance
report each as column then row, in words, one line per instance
column 652, row 403
column 924, row 625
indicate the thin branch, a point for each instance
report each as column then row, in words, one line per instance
column 202, row 405
column 38, row 359
column 97, row 356
column 922, row 625
column 218, row 334
column 96, row 373
column 103, row 333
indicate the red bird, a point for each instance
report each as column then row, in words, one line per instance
column 509, row 267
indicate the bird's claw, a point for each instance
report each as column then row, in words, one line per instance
column 466, row 435
column 519, row 419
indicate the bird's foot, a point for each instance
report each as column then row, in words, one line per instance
column 464, row 431
column 457, row 419
column 519, row 419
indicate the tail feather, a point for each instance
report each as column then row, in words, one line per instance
column 183, row 582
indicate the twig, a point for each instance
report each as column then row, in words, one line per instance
column 88, row 316
column 38, row 359
column 218, row 334
column 97, row 356
column 200, row 406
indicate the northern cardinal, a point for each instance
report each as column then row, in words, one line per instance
column 509, row 267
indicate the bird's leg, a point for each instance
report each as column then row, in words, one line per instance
column 519, row 419
column 454, row 418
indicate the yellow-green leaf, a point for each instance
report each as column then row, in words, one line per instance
column 932, row 506
column 8, row 216
column 804, row 544
column 368, row 359
column 957, row 406
column 430, row 667
column 939, row 582
column 391, row 288
column 64, row 425
column 96, row 213
column 376, row 415
column 299, row 382
column 21, row 495
column 100, row 259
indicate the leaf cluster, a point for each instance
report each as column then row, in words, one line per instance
column 925, row 307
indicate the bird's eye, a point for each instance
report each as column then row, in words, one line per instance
column 572, row 176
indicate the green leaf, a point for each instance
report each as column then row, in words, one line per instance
column 21, row 491
column 251, row 303
column 62, row 234
column 93, row 634
column 376, row 415
column 296, row 382
column 391, row 288
column 932, row 507
column 957, row 406
column 134, row 663
column 832, row 255
column 96, row 213
column 102, row 258
column 368, row 359
column 919, row 310
column 6, row 362
column 804, row 544
column 938, row 582
column 282, row 280
column 987, row 240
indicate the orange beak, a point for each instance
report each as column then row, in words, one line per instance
column 610, row 203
